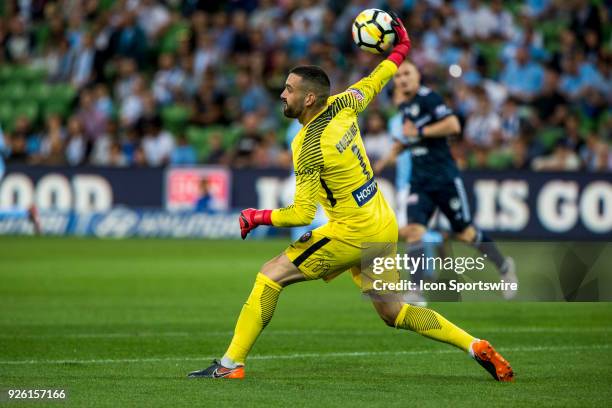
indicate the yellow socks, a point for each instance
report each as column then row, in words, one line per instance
column 255, row 315
column 431, row 324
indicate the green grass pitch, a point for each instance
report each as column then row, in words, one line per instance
column 120, row 323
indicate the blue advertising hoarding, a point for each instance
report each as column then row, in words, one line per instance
column 526, row 205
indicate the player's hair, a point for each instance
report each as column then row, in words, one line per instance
column 315, row 80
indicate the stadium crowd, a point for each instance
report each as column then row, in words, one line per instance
column 153, row 82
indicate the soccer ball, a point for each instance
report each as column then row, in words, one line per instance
column 372, row 31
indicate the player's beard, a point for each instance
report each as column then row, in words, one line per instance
column 292, row 112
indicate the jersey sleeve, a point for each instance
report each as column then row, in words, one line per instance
column 437, row 107
column 361, row 93
column 308, row 168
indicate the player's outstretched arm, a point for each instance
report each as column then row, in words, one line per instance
column 250, row 218
column 304, row 207
column 447, row 126
column 360, row 94
column 300, row 213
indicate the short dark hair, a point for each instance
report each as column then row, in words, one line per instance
column 316, row 80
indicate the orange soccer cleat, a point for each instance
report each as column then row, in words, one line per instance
column 216, row 370
column 492, row 361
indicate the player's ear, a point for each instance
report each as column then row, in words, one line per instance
column 311, row 99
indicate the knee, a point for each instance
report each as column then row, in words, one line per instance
column 271, row 268
column 413, row 232
column 389, row 319
column 467, row 235
column 388, row 315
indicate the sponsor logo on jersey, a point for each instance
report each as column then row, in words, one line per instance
column 413, row 110
column 454, row 204
column 365, row 193
column 357, row 94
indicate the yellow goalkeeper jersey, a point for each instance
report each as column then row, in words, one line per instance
column 332, row 168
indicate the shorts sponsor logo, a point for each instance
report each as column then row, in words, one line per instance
column 306, row 236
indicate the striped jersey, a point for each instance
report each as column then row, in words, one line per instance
column 332, row 168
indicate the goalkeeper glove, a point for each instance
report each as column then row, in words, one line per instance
column 402, row 42
column 251, row 218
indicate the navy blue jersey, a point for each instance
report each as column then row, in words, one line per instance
column 432, row 162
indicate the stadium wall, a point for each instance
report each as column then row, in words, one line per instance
column 148, row 202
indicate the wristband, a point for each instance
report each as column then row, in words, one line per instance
column 399, row 53
column 263, row 217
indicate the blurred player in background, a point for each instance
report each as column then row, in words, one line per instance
column 15, row 213
column 332, row 168
column 435, row 180
column 403, row 168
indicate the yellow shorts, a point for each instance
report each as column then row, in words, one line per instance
column 319, row 254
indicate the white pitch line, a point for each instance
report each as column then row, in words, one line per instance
column 296, row 333
column 302, row 355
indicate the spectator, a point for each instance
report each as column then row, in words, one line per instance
column 84, row 62
column 523, row 77
column 124, row 85
column 117, row 157
column 267, row 153
column 18, row 44
column 520, row 154
column 550, row 104
column 103, row 101
column 183, row 154
column 168, row 80
column 476, row 20
column 208, row 107
column 52, row 145
column 253, row 96
column 579, row 75
column 101, row 150
column 216, row 151
column 247, row 144
column 76, row 147
column 596, row 154
column 93, row 121
column 501, row 21
column 376, row 139
column 207, row 55
column 241, row 43
column 130, row 40
column 153, row 17
column 132, row 107
column 157, row 144
column 229, row 64
column 20, row 146
column 483, row 127
column 562, row 158
column 510, row 122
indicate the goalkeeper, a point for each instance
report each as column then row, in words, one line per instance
column 332, row 168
